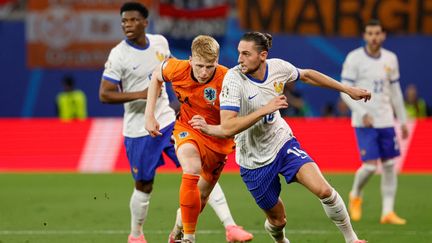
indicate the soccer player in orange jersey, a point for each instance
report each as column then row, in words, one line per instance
column 197, row 83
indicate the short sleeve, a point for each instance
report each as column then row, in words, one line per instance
column 395, row 75
column 113, row 67
column 231, row 92
column 349, row 70
column 292, row 72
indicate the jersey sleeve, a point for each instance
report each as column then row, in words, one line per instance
column 292, row 72
column 395, row 75
column 230, row 96
column 113, row 67
column 166, row 46
column 349, row 70
column 169, row 69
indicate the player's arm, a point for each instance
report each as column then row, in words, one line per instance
column 316, row 78
column 109, row 92
column 398, row 106
column 154, row 89
column 232, row 124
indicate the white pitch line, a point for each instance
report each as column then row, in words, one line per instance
column 205, row 232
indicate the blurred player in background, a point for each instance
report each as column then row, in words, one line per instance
column 125, row 80
column 265, row 145
column 197, row 83
column 375, row 68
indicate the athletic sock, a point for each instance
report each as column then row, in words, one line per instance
column 362, row 176
column 190, row 202
column 337, row 212
column 388, row 186
column 277, row 233
column 219, row 204
column 139, row 204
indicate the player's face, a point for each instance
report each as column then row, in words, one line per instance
column 202, row 70
column 133, row 24
column 249, row 58
column 374, row 37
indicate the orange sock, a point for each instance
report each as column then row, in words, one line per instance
column 190, row 202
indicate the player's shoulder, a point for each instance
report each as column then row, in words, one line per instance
column 177, row 64
column 176, row 69
column 388, row 53
column 119, row 50
column 355, row 54
column 157, row 38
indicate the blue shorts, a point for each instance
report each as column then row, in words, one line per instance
column 263, row 183
column 145, row 153
column 377, row 143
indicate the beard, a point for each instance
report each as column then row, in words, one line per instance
column 250, row 70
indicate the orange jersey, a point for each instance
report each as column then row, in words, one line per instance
column 197, row 99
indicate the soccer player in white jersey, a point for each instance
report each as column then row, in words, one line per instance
column 375, row 68
column 125, row 80
column 265, row 145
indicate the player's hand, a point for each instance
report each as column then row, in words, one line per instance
column 278, row 102
column 367, row 120
column 152, row 126
column 405, row 131
column 357, row 93
column 199, row 123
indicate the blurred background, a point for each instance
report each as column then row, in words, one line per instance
column 42, row 41
column 49, row 47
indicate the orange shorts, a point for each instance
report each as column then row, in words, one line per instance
column 212, row 163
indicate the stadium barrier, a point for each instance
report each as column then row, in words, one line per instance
column 96, row 145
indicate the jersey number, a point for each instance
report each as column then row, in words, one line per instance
column 378, row 86
column 297, row 152
column 269, row 119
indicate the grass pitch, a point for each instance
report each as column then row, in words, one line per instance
column 48, row 208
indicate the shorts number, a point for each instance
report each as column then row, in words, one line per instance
column 297, row 152
column 269, row 119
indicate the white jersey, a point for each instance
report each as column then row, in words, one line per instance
column 131, row 67
column 380, row 76
column 258, row 145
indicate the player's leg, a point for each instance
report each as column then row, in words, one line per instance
column 310, row 176
column 367, row 140
column 190, row 198
column 389, row 149
column 143, row 169
column 264, row 185
column 219, row 204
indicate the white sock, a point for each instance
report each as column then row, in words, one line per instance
column 388, row 186
column 362, row 176
column 219, row 204
column 178, row 226
column 190, row 237
column 337, row 212
column 139, row 204
column 276, row 233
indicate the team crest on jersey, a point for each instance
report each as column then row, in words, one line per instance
column 210, row 95
column 135, row 170
column 278, row 87
column 183, row 134
column 388, row 70
column 160, row 56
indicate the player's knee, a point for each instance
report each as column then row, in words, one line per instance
column 144, row 186
column 369, row 167
column 388, row 164
column 325, row 191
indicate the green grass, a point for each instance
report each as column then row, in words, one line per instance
column 47, row 208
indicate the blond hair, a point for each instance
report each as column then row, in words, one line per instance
column 205, row 47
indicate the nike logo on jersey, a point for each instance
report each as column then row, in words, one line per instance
column 135, row 67
column 251, row 97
